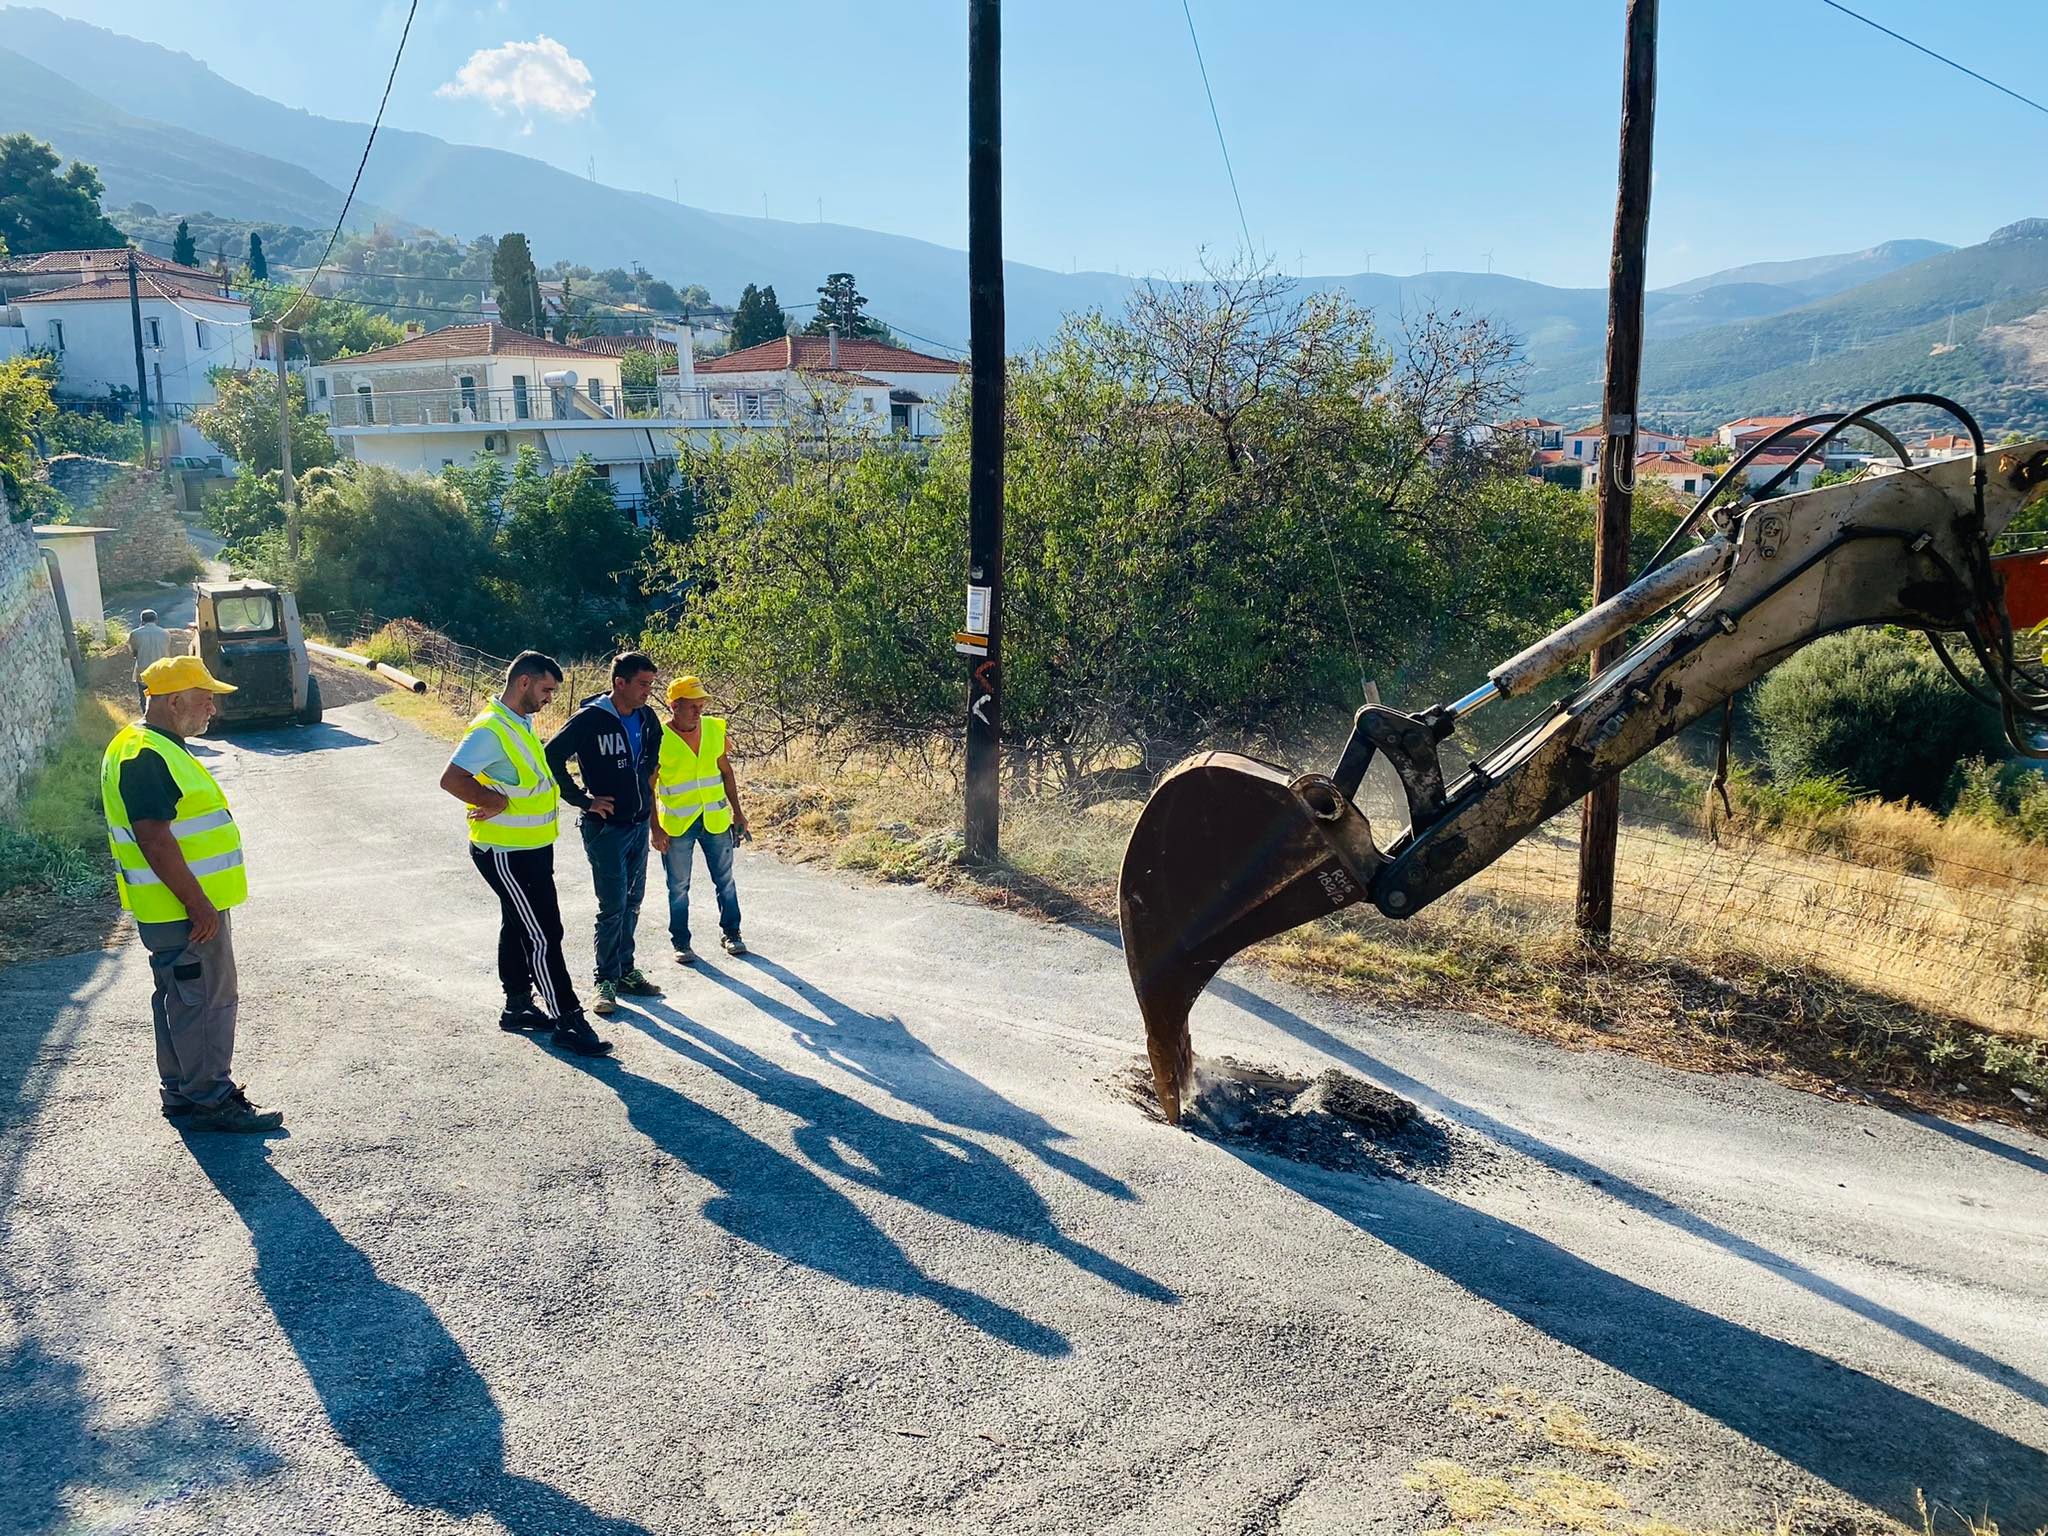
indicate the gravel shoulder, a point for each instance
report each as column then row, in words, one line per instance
column 861, row 1234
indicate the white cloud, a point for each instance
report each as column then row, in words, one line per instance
column 540, row 76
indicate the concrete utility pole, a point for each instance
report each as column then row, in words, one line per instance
column 284, row 446
column 1600, row 825
column 982, row 639
column 141, row 374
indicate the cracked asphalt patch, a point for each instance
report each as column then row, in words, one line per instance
column 848, row 1238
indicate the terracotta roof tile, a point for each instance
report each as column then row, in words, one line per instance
column 619, row 346
column 814, row 353
column 74, row 263
column 158, row 283
column 484, row 339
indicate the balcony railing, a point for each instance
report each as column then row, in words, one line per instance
column 549, row 404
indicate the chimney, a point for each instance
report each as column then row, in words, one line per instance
column 832, row 346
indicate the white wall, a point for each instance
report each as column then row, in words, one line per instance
column 99, row 344
column 79, row 562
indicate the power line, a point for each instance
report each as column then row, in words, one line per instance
column 1941, row 57
column 348, row 201
column 1242, row 222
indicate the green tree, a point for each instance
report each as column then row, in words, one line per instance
column 1875, row 707
column 514, row 277
column 381, row 541
column 481, row 485
column 568, row 320
column 757, row 318
column 1221, row 509
column 41, row 210
column 26, row 409
column 663, row 297
column 183, row 251
column 840, row 303
column 640, row 375
column 246, row 508
column 569, row 558
column 243, row 421
column 1712, row 454
column 259, row 267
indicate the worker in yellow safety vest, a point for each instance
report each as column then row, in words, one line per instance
column 697, row 805
column 178, row 860
column 500, row 771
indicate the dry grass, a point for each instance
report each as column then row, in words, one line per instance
column 1554, row 1473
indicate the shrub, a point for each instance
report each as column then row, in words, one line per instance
column 2010, row 796
column 250, row 504
column 1875, row 708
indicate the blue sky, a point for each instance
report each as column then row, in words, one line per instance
column 1456, row 129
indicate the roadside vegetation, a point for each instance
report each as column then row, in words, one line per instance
column 56, row 878
column 1228, row 509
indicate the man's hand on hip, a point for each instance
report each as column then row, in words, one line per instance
column 205, row 921
column 492, row 803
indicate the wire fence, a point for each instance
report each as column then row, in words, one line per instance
column 1951, row 914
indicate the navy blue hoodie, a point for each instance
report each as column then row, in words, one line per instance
column 596, row 738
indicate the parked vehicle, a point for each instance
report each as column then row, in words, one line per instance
column 249, row 635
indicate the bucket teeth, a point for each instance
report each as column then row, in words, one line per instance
column 1228, row 851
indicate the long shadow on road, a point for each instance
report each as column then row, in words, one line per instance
column 772, row 1201
column 937, row 1170
column 1873, row 1441
column 1868, row 1438
column 396, row 1386
column 880, row 1050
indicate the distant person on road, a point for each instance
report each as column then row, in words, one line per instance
column 178, row 860
column 148, row 642
column 500, row 772
column 697, row 806
column 615, row 738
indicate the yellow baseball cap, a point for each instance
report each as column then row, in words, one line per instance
column 174, row 674
column 688, row 686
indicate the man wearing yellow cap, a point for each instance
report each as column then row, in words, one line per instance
column 178, row 858
column 697, row 804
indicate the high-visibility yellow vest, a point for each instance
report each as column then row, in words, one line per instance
column 687, row 784
column 528, row 820
column 205, row 830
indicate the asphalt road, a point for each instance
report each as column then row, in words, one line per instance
column 851, row 1236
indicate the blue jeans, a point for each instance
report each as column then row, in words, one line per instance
column 618, row 868
column 680, row 860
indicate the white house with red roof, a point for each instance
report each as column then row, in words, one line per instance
column 75, row 304
column 872, row 384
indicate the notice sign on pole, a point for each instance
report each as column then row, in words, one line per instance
column 977, row 610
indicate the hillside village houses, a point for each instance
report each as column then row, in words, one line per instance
column 75, row 305
column 442, row 397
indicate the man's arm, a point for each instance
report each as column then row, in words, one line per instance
column 561, row 747
column 484, row 802
column 732, row 792
column 167, row 860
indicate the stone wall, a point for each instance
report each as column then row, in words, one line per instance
column 141, row 505
column 37, row 700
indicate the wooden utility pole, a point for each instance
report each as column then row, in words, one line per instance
column 284, row 446
column 141, row 374
column 1600, row 825
column 982, row 639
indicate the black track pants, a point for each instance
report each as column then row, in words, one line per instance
column 529, row 925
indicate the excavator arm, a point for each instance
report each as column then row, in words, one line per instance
column 1230, row 850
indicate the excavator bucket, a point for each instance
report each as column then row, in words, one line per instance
column 1229, row 851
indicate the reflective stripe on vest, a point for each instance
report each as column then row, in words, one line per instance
column 528, row 820
column 688, row 784
column 201, row 823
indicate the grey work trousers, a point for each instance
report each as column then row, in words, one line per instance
column 194, row 1008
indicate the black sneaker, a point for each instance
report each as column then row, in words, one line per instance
column 732, row 944
column 180, row 1111
column 523, row 1017
column 575, row 1034
column 236, row 1114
